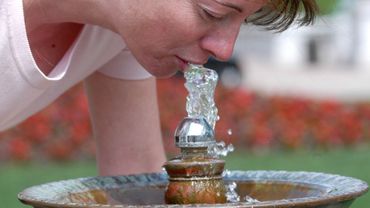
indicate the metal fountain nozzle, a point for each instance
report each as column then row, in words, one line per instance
column 194, row 132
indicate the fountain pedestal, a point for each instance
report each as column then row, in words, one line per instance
column 195, row 178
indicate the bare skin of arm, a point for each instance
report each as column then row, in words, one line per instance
column 124, row 113
column 126, row 125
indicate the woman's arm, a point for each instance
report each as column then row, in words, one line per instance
column 126, row 125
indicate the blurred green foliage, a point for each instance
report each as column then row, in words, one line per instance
column 327, row 6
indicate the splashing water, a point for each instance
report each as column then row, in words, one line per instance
column 201, row 83
column 250, row 199
column 232, row 196
column 226, row 173
column 220, row 149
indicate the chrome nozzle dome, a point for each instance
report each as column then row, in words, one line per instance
column 194, row 132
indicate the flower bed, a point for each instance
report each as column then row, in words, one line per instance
column 62, row 130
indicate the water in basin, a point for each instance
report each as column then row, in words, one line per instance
column 154, row 195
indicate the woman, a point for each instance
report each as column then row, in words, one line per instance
column 116, row 47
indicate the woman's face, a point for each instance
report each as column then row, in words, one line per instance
column 166, row 35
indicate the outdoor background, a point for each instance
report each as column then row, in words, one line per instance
column 297, row 101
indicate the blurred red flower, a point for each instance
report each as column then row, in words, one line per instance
column 20, row 149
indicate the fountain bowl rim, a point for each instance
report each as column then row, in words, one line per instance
column 339, row 188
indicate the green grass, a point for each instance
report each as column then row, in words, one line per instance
column 355, row 163
column 15, row 177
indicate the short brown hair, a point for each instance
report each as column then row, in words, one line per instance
column 278, row 15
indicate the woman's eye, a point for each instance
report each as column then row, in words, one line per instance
column 210, row 15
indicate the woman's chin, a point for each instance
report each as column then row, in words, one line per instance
column 163, row 72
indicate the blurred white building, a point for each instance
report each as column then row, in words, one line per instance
column 328, row 60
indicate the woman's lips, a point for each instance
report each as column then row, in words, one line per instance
column 182, row 63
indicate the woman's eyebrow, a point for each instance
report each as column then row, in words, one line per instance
column 228, row 4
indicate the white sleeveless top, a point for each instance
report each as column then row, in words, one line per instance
column 24, row 89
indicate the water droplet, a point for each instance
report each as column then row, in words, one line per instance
column 225, row 173
column 230, row 148
column 229, row 132
column 250, row 199
column 220, row 149
column 231, row 194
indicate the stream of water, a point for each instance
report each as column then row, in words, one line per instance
column 201, row 83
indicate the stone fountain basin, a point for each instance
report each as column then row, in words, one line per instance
column 271, row 188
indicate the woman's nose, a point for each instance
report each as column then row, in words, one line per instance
column 220, row 42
